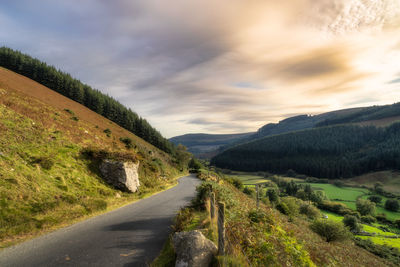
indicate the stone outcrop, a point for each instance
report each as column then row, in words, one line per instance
column 122, row 175
column 193, row 249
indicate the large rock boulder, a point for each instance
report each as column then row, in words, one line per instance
column 122, row 175
column 193, row 249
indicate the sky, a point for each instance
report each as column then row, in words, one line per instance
column 225, row 66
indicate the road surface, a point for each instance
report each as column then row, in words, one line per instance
column 130, row 236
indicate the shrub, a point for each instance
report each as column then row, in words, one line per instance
column 397, row 223
column 283, row 208
column 249, row 191
column 392, row 205
column 368, row 219
column 330, row 230
column 272, row 195
column 375, row 199
column 127, row 141
column 107, row 132
column 390, row 253
column 310, row 211
column 69, row 111
column 236, row 183
column 352, row 223
column 258, row 216
column 365, row 207
column 194, row 164
column 293, row 205
column 74, row 118
column 339, row 183
column 291, row 173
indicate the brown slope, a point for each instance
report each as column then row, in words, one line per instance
column 41, row 96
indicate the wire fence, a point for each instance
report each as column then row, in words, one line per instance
column 231, row 241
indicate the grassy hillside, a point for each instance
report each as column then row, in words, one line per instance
column 332, row 152
column 264, row 236
column 74, row 89
column 207, row 145
column 45, row 180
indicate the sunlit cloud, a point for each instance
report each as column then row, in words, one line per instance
column 218, row 66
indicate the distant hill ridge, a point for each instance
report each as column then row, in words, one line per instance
column 200, row 144
column 72, row 88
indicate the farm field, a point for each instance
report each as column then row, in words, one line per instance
column 381, row 239
column 380, row 208
column 349, row 195
column 248, row 179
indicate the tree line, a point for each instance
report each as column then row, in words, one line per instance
column 74, row 89
column 331, row 152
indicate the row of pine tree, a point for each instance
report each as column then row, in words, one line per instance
column 74, row 89
column 330, row 152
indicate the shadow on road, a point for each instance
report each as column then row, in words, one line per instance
column 140, row 240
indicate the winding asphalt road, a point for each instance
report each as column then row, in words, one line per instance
column 130, row 236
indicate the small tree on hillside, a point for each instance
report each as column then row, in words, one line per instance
column 195, row 164
column 392, row 205
column 330, row 230
column 375, row 199
column 273, row 195
column 352, row 223
column 365, row 207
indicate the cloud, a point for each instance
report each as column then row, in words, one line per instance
column 218, row 66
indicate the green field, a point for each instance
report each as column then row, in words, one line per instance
column 349, row 195
column 381, row 239
column 380, row 208
column 248, row 179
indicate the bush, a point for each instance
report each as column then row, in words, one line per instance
column 236, row 183
column 375, row 199
column 310, row 211
column 75, row 118
column 283, row 208
column 258, row 216
column 397, row 223
column 330, row 230
column 368, row 219
column 127, row 141
column 195, row 165
column 273, row 195
column 291, row 173
column 392, row 205
column 352, row 223
column 390, row 253
column 293, row 205
column 365, row 207
column 339, row 183
column 249, row 191
column 107, row 132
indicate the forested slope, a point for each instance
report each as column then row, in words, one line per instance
column 333, row 152
column 72, row 88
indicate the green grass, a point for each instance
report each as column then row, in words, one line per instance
column 392, row 242
column 45, row 182
column 381, row 240
column 345, row 194
column 380, row 208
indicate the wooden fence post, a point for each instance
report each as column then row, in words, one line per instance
column 221, row 229
column 212, row 205
column 258, row 195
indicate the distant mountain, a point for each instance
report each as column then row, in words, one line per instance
column 336, row 144
column 207, row 145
